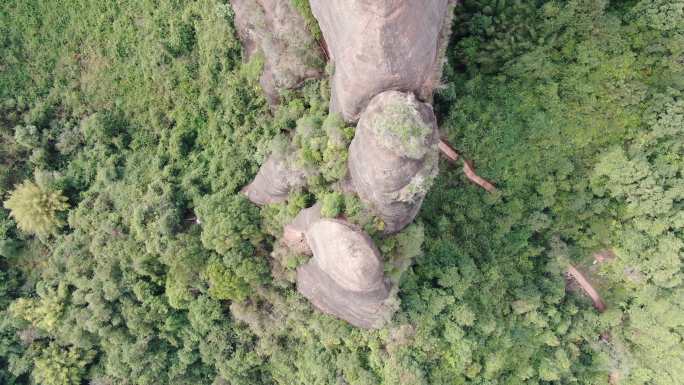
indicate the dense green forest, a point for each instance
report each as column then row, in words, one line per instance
column 128, row 256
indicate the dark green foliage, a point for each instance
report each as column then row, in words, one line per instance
column 234, row 277
column 230, row 226
column 644, row 180
column 567, row 115
column 12, row 354
column 229, row 223
column 275, row 216
column 119, row 300
column 154, row 123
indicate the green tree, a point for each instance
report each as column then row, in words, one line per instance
column 35, row 209
column 229, row 222
column 61, row 366
column 234, row 278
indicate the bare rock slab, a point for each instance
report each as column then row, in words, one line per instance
column 276, row 30
column 379, row 45
column 393, row 157
column 345, row 276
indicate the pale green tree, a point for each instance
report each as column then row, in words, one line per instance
column 36, row 209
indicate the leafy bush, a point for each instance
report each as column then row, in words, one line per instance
column 13, row 358
column 400, row 126
column 27, row 136
column 332, row 205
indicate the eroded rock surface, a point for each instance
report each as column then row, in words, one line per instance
column 278, row 31
column 294, row 234
column 387, row 57
column 345, row 276
column 380, row 45
column 274, row 181
column 393, row 157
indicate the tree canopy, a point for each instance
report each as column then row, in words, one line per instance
column 128, row 255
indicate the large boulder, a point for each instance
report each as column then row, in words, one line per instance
column 380, row 45
column 345, row 276
column 276, row 30
column 393, row 157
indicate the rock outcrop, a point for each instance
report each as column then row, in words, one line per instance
column 276, row 30
column 380, row 45
column 274, row 181
column 387, row 57
column 294, row 234
column 345, row 276
column 393, row 157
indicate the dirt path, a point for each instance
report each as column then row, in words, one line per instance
column 587, row 287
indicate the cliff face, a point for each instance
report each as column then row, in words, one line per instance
column 380, row 45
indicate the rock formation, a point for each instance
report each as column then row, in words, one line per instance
column 393, row 157
column 387, row 57
column 276, row 30
column 345, row 276
column 294, row 234
column 274, row 181
column 380, row 45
